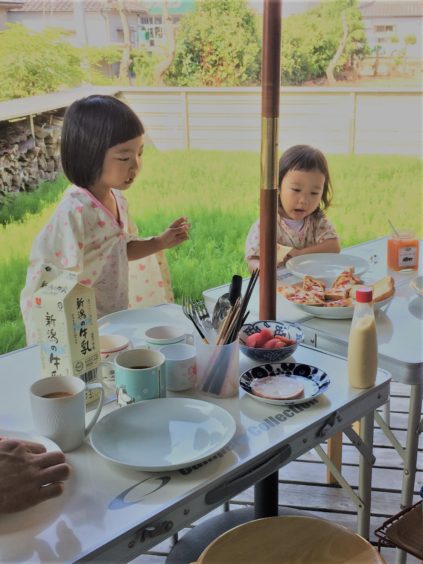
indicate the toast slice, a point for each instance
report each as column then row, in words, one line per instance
column 346, row 279
column 281, row 252
column 382, row 289
column 311, row 284
column 336, row 294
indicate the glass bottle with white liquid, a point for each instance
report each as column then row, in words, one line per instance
column 362, row 345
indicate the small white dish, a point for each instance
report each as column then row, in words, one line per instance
column 113, row 344
column 50, row 445
column 314, row 380
column 164, row 334
column 163, row 434
column 325, row 266
column 417, row 285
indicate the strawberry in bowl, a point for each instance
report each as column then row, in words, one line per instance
column 269, row 341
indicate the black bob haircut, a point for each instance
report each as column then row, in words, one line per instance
column 91, row 126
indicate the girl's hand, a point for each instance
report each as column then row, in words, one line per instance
column 175, row 234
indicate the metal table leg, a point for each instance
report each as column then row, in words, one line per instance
column 365, row 476
column 410, row 453
column 266, row 496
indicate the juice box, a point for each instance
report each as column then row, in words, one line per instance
column 66, row 318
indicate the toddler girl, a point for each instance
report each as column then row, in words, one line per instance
column 305, row 191
column 90, row 232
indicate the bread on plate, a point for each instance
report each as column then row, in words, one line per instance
column 382, row 289
column 277, row 387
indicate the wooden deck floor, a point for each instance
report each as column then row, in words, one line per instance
column 302, row 484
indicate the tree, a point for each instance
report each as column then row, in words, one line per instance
column 169, row 51
column 325, row 38
column 36, row 62
column 217, row 45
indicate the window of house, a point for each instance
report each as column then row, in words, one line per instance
column 384, row 28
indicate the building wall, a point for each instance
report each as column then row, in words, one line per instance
column 101, row 29
column 402, row 27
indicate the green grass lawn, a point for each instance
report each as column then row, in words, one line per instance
column 219, row 192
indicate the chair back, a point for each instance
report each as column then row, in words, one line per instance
column 291, row 540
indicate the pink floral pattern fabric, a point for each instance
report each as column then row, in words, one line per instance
column 83, row 236
column 316, row 228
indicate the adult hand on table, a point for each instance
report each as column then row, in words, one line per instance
column 29, row 474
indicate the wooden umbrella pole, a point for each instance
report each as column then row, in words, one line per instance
column 269, row 154
column 266, row 491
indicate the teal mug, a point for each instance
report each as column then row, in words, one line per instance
column 140, row 375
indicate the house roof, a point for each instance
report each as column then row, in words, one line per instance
column 67, row 6
column 381, row 9
column 11, row 3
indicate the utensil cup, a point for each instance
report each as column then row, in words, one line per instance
column 58, row 409
column 218, row 368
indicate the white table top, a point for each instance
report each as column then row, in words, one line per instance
column 399, row 324
column 106, row 507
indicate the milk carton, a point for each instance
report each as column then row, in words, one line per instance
column 66, row 318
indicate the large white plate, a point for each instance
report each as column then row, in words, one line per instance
column 163, row 434
column 314, row 380
column 325, row 265
column 19, row 435
column 336, row 312
column 133, row 323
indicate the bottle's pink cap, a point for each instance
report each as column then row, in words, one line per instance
column 364, row 295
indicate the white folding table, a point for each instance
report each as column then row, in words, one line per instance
column 109, row 512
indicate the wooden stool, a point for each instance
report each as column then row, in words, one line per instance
column 290, row 540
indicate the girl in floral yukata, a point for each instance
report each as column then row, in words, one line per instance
column 90, row 232
column 305, row 191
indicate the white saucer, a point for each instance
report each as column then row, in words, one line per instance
column 19, row 435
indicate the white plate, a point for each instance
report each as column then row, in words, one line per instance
column 314, row 380
column 133, row 323
column 417, row 285
column 336, row 312
column 19, row 435
column 163, row 434
column 325, row 265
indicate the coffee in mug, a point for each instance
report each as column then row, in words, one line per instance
column 57, row 395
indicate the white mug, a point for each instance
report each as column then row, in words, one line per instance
column 58, row 409
column 164, row 335
column 181, row 369
column 110, row 347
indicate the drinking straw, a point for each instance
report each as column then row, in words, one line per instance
column 393, row 229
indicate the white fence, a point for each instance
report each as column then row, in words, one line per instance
column 337, row 120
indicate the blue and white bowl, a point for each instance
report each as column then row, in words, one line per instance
column 282, row 328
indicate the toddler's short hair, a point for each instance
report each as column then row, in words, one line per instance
column 91, row 126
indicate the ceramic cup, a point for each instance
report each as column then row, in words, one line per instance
column 110, row 347
column 58, row 409
column 140, row 374
column 161, row 335
column 180, row 366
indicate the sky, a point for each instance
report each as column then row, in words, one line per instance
column 289, row 7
